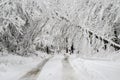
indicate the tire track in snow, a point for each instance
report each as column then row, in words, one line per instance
column 34, row 73
column 68, row 71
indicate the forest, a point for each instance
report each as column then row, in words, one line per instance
column 42, row 33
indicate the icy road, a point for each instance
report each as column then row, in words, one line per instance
column 71, row 68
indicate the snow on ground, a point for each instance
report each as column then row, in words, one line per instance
column 13, row 67
column 52, row 70
column 58, row 67
column 34, row 72
column 73, row 68
column 96, row 69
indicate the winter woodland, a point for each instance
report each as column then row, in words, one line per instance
column 59, row 39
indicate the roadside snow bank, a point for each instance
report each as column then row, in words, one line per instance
column 96, row 69
column 14, row 66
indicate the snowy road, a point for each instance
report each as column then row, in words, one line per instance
column 68, row 71
column 62, row 68
column 72, row 68
column 34, row 73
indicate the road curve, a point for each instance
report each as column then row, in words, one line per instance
column 34, row 73
column 68, row 71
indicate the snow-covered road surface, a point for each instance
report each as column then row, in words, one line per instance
column 58, row 68
column 34, row 73
column 68, row 71
column 61, row 67
column 52, row 70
